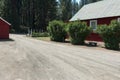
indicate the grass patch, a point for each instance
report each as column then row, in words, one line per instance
column 38, row 34
column 43, row 38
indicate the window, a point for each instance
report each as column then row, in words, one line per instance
column 93, row 24
column 118, row 19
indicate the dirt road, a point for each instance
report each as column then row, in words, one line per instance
column 30, row 59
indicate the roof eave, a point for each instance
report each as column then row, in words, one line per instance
column 5, row 21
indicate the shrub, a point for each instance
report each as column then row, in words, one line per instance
column 78, row 31
column 12, row 30
column 57, row 31
column 37, row 34
column 110, row 35
column 23, row 29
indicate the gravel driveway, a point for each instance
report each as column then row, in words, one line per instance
column 30, row 59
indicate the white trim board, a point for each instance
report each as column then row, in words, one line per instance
column 95, row 23
column 5, row 21
column 118, row 19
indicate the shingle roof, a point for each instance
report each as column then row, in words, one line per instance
column 101, row 9
column 4, row 21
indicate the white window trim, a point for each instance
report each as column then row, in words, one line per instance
column 118, row 19
column 95, row 22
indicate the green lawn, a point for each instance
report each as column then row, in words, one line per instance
column 43, row 38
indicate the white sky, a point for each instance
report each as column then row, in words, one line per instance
column 77, row 0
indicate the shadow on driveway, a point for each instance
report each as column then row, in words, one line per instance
column 6, row 40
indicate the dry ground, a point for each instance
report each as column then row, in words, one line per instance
column 30, row 59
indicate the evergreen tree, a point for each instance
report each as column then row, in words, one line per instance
column 75, row 7
column 12, row 13
column 84, row 2
column 45, row 11
column 36, row 14
column 1, row 7
column 66, row 9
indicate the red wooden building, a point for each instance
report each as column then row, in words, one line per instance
column 98, row 13
column 4, row 29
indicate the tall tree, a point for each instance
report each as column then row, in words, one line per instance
column 12, row 13
column 75, row 7
column 34, row 14
column 91, row 1
column 66, row 9
column 1, row 6
column 84, row 2
column 45, row 11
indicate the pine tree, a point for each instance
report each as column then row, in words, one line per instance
column 75, row 7
column 1, row 7
column 12, row 13
column 45, row 11
column 66, row 9
column 34, row 14
column 84, row 2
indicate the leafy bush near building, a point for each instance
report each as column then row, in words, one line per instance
column 110, row 35
column 57, row 31
column 78, row 31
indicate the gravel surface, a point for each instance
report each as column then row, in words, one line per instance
column 30, row 59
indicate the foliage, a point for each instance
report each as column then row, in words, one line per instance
column 75, row 7
column 11, row 13
column 36, row 14
column 57, row 31
column 23, row 29
column 78, row 31
column 12, row 31
column 45, row 11
column 1, row 7
column 65, row 9
column 110, row 35
column 84, row 2
column 42, row 34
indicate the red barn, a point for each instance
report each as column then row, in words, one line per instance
column 98, row 13
column 4, row 29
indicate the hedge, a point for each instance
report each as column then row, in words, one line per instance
column 78, row 31
column 110, row 35
column 57, row 31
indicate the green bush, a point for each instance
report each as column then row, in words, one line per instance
column 57, row 31
column 78, row 31
column 23, row 29
column 110, row 35
column 12, row 30
column 43, row 34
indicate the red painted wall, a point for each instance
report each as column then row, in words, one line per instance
column 4, row 30
column 100, row 21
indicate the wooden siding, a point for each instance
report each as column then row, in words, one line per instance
column 4, row 30
column 100, row 21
